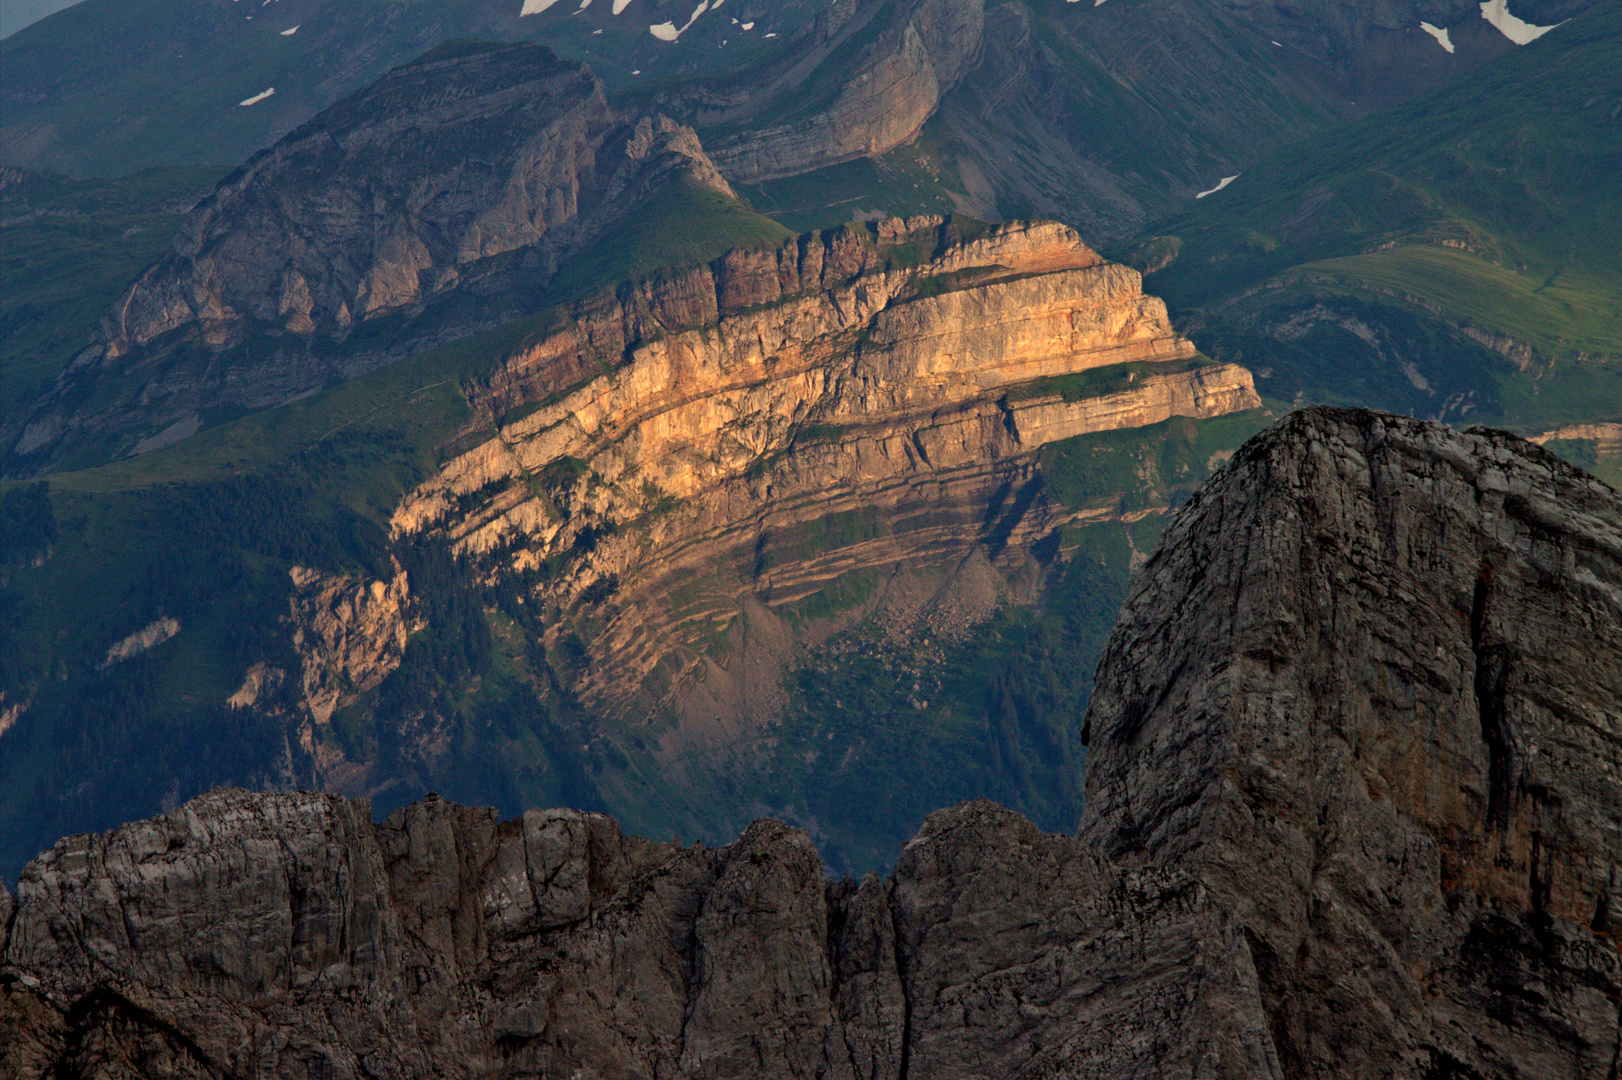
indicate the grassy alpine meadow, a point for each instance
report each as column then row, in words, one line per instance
column 1454, row 257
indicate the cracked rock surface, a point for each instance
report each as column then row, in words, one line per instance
column 1369, row 692
column 1355, row 793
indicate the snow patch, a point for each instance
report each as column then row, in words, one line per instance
column 747, row 25
column 668, row 32
column 621, row 5
column 257, row 98
column 1224, row 182
column 535, row 7
column 1275, row 44
column 584, row 4
column 290, row 31
column 771, row 35
column 1440, row 34
column 1517, row 30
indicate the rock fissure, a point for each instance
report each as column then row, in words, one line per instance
column 1491, row 683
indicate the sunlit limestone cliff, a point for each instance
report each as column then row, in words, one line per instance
column 692, row 480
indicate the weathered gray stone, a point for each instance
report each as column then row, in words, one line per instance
column 1369, row 691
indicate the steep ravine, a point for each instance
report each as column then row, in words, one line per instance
column 1291, row 864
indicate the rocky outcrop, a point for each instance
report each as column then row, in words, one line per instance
column 1353, row 794
column 684, row 434
column 863, row 80
column 287, row 936
column 349, row 635
column 1367, row 691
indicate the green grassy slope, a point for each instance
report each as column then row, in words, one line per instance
column 1456, row 256
column 68, row 249
column 685, row 224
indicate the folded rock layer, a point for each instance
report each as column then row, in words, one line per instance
column 1353, row 805
column 698, row 429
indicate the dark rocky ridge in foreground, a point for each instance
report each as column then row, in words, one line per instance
column 1353, row 809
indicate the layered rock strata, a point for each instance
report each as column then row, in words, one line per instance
column 1353, row 811
column 691, row 429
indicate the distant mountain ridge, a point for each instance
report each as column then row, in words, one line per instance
column 396, row 201
column 1105, row 116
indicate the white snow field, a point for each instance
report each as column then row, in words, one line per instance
column 257, row 98
column 667, row 31
column 1517, row 30
column 1224, row 182
column 1440, row 34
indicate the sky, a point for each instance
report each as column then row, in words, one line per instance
column 16, row 14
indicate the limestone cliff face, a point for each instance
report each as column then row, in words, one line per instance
column 1353, row 804
column 688, row 432
column 348, row 635
column 881, row 68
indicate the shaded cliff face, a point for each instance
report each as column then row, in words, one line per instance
column 376, row 202
column 1353, row 805
column 860, row 81
column 1369, row 690
column 286, row 935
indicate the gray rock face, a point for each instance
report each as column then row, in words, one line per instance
column 1369, row 691
column 396, row 199
column 1353, row 811
column 283, row 935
